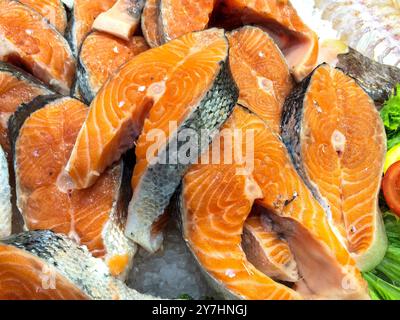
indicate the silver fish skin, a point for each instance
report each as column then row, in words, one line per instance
column 5, row 197
column 115, row 242
column 75, row 263
column 159, row 182
column 370, row 27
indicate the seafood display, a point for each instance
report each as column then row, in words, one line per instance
column 210, row 149
column 43, row 133
column 42, row 265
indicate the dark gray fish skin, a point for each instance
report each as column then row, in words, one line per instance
column 75, row 263
column 113, row 237
column 83, row 83
column 135, row 8
column 69, row 33
column 23, row 112
column 378, row 80
column 160, row 181
column 292, row 115
column 23, row 75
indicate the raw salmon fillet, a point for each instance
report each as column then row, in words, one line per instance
column 16, row 87
column 121, row 106
column 122, row 20
column 42, row 265
column 150, row 23
column 268, row 251
column 297, row 41
column 83, row 15
column 100, row 57
column 36, row 45
column 52, row 10
column 198, row 98
column 216, row 201
column 261, row 73
column 178, row 17
column 286, row 200
column 338, row 144
column 92, row 217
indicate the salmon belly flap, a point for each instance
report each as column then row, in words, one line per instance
column 84, row 13
column 260, row 72
column 283, row 198
column 338, row 144
column 96, row 66
column 178, row 17
column 268, row 250
column 279, row 18
column 36, row 45
column 52, row 10
column 16, row 87
column 44, row 133
column 215, row 203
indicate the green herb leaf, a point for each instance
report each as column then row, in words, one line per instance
column 391, row 118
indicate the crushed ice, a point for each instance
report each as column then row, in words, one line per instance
column 171, row 272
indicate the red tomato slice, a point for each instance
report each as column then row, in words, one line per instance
column 391, row 187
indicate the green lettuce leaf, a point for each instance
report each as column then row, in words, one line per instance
column 391, row 118
column 384, row 280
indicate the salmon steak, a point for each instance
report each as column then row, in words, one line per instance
column 84, row 12
column 297, row 41
column 215, row 203
column 42, row 265
column 178, row 17
column 338, row 144
column 44, row 133
column 5, row 197
column 260, row 72
column 52, row 10
column 149, row 80
column 122, row 20
column 16, row 87
column 34, row 44
column 194, row 114
column 96, row 66
column 282, row 197
column 267, row 250
column 149, row 23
